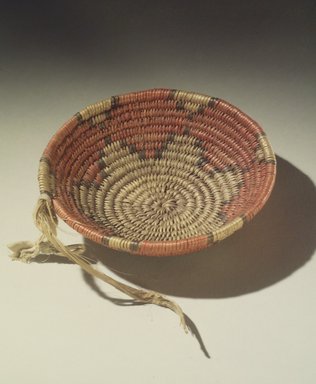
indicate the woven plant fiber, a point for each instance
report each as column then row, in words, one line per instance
column 160, row 172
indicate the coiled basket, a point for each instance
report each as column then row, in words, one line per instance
column 159, row 172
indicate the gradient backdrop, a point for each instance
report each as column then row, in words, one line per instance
column 58, row 56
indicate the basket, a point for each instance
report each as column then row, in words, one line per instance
column 158, row 173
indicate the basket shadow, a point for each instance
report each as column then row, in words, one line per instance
column 279, row 240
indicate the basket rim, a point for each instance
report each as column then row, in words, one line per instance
column 163, row 248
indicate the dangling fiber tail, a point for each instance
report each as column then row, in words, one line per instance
column 46, row 221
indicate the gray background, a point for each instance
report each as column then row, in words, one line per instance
column 251, row 299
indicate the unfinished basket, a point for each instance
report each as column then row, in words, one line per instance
column 158, row 172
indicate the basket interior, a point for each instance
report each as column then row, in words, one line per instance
column 161, row 165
